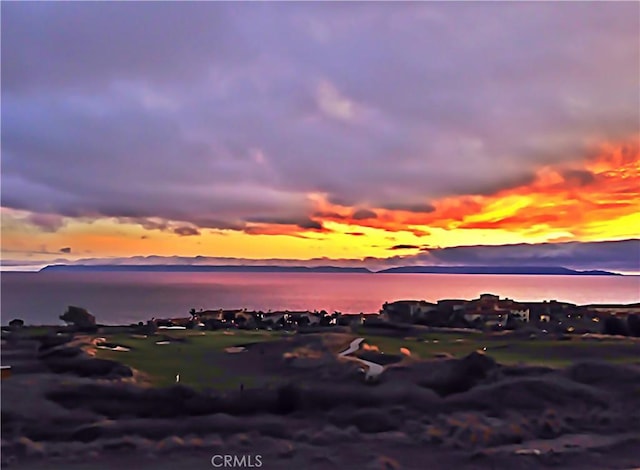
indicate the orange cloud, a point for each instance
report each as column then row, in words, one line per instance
column 598, row 200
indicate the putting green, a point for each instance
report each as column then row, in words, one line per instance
column 194, row 360
column 554, row 353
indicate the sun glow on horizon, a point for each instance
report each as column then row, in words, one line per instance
column 600, row 201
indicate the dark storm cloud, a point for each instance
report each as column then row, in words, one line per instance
column 330, row 215
column 310, row 224
column 120, row 110
column 404, row 247
column 302, row 222
column 186, row 231
column 364, row 214
column 581, row 177
column 418, row 208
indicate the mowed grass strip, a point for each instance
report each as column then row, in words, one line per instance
column 194, row 359
column 554, row 353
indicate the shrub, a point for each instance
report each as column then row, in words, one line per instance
column 79, row 317
column 288, row 399
column 16, row 323
column 47, row 342
column 633, row 324
column 89, row 367
column 614, row 326
column 373, row 420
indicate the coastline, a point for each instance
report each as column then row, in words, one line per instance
column 132, row 297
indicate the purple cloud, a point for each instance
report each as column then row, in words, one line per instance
column 364, row 214
column 118, row 110
column 46, row 222
column 186, row 231
column 404, row 247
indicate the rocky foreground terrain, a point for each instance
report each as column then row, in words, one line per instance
column 64, row 408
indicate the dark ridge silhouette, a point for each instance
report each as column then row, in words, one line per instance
column 526, row 270
column 200, row 269
column 530, row 270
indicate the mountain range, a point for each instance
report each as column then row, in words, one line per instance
column 505, row 270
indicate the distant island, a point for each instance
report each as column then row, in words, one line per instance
column 523, row 270
column 513, row 270
column 176, row 268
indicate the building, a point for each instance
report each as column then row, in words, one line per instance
column 521, row 315
column 614, row 309
column 245, row 319
column 305, row 318
column 220, row 314
column 490, row 311
column 406, row 311
column 452, row 305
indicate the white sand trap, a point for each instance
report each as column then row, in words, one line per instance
column 374, row 370
column 235, row 349
column 353, row 347
column 114, row 348
column 163, row 342
column 172, row 327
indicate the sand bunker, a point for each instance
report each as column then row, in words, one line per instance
column 172, row 327
column 235, row 349
column 353, row 347
column 374, row 370
column 162, row 343
column 102, row 343
column 114, row 348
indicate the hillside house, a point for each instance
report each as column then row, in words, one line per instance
column 406, row 311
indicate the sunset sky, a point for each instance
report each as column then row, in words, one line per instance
column 371, row 133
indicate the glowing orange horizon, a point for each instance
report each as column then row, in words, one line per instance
column 603, row 205
column 599, row 200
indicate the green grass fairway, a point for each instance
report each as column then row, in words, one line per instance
column 202, row 362
column 194, row 360
column 552, row 353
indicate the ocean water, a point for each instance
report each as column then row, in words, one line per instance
column 39, row 298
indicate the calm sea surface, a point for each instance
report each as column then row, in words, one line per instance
column 39, row 298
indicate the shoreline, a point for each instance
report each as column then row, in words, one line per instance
column 129, row 297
